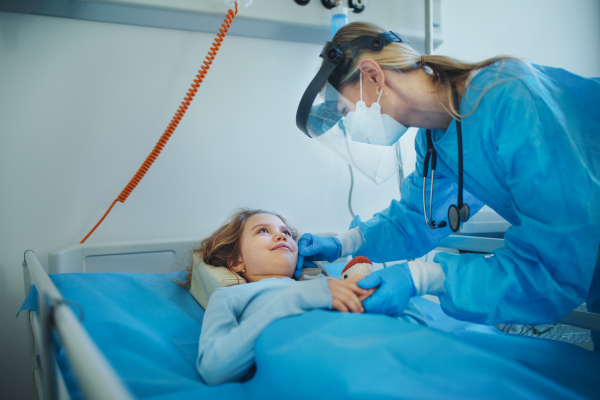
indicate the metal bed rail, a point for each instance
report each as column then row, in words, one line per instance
column 96, row 377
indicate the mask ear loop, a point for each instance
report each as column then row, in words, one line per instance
column 361, row 99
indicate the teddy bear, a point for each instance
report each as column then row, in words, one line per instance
column 357, row 266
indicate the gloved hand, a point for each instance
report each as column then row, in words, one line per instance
column 316, row 248
column 396, row 287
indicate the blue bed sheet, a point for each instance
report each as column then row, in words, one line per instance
column 148, row 328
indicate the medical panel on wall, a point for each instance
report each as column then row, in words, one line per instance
column 267, row 19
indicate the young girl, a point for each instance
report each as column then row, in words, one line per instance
column 259, row 246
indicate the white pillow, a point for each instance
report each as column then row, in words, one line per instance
column 206, row 279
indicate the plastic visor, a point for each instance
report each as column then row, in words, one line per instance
column 326, row 124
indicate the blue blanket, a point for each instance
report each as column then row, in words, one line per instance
column 148, row 328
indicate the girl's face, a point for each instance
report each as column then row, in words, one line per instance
column 267, row 249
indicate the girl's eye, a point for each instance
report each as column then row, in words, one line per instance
column 288, row 233
column 263, row 230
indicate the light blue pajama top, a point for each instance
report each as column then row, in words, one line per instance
column 236, row 316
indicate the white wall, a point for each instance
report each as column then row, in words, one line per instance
column 83, row 103
column 558, row 33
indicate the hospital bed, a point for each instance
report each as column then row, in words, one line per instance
column 76, row 360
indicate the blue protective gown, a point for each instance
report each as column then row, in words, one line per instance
column 532, row 154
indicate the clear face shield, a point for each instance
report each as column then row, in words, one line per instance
column 361, row 135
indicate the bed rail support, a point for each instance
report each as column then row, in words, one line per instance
column 49, row 376
column 97, row 378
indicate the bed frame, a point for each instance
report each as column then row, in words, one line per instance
column 96, row 377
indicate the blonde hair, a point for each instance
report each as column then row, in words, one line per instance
column 443, row 71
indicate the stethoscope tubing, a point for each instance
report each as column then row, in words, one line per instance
column 431, row 155
column 460, row 149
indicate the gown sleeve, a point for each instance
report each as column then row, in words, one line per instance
column 226, row 349
column 399, row 232
column 546, row 266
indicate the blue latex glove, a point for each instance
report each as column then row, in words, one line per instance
column 396, row 287
column 316, row 248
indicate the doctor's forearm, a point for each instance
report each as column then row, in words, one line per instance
column 428, row 277
column 351, row 241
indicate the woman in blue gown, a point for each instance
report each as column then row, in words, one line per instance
column 530, row 151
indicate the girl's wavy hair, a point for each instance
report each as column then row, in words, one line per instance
column 443, row 71
column 224, row 245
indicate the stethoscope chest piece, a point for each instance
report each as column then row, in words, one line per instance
column 456, row 216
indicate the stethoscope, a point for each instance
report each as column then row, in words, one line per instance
column 456, row 213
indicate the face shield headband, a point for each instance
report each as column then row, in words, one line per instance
column 336, row 66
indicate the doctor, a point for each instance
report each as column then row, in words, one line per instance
column 521, row 138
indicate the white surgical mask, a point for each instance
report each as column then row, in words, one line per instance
column 369, row 125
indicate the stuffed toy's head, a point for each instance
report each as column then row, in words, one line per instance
column 357, row 266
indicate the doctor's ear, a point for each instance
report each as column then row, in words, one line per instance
column 372, row 72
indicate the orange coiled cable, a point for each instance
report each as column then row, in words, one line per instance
column 176, row 118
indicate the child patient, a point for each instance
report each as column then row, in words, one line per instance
column 261, row 247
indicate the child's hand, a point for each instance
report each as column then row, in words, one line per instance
column 347, row 296
column 369, row 292
column 366, row 296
